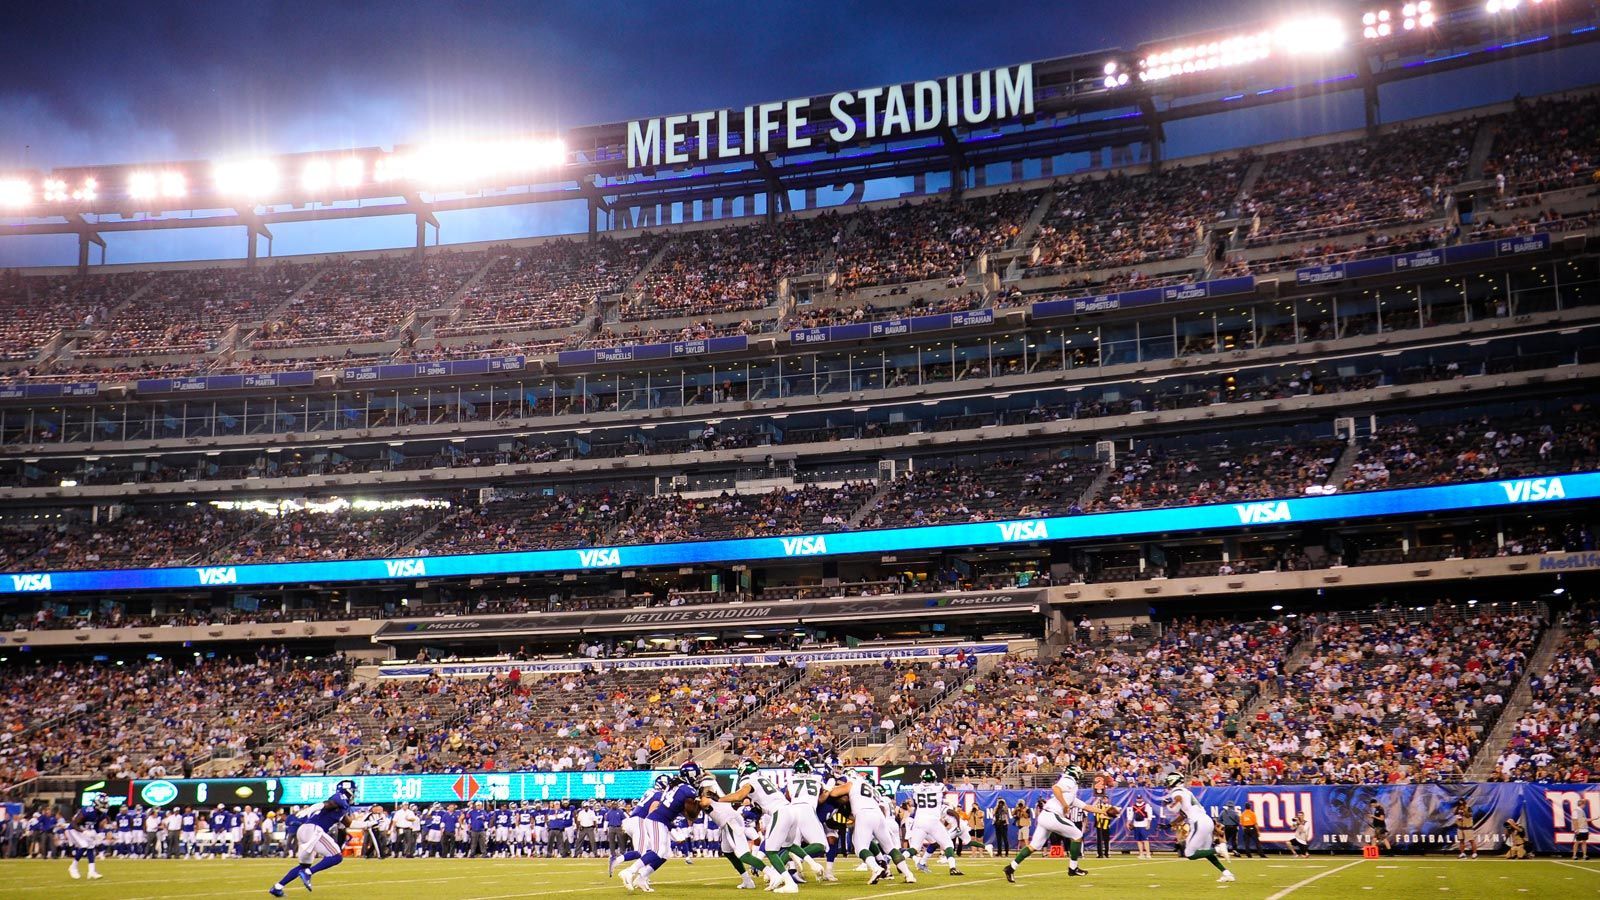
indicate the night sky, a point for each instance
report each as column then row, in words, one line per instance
column 85, row 82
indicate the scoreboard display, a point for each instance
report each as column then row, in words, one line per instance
column 388, row 790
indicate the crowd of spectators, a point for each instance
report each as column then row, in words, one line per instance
column 156, row 718
column 144, row 536
column 732, row 269
column 1128, row 709
column 1122, row 220
column 1219, row 474
column 996, row 489
column 546, row 286
column 932, row 240
column 733, row 515
column 367, row 299
column 1385, row 699
column 187, row 311
column 1403, row 452
column 1546, row 145
column 1558, row 736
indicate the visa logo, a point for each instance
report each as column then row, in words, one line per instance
column 405, row 568
column 1034, row 530
column 1534, row 489
column 1262, row 513
column 809, row 545
column 218, row 575
column 30, row 582
column 594, row 559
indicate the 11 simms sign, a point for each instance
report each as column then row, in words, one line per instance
column 691, row 618
column 974, row 99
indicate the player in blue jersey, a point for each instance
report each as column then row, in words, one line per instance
column 681, row 798
column 317, row 849
column 85, row 835
column 630, row 827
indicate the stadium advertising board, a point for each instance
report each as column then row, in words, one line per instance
column 857, row 331
column 975, row 99
column 689, row 618
column 678, row 661
column 634, row 352
column 224, row 382
column 1172, row 293
column 450, row 367
column 1441, row 498
column 1422, row 259
column 48, row 391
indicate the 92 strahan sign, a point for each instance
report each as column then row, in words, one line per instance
column 973, row 99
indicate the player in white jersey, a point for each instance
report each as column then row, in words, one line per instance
column 1056, row 818
column 759, row 789
column 796, row 830
column 736, row 838
column 928, row 826
column 871, row 828
column 1199, row 843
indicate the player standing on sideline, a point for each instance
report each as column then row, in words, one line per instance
column 1199, row 843
column 1055, row 819
column 871, row 826
column 317, row 849
column 85, row 834
column 1579, row 819
column 1466, row 837
column 1139, row 821
column 680, row 799
column 927, row 821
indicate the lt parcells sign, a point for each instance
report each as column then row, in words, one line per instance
column 973, row 99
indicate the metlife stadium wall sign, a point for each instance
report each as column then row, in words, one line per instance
column 1513, row 493
column 971, row 100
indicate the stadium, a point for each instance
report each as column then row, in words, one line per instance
column 952, row 485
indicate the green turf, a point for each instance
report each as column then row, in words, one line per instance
column 502, row 879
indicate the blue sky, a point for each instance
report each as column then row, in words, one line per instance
column 89, row 82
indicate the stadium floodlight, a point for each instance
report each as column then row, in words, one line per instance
column 87, row 191
column 1312, row 36
column 347, row 172
column 462, row 164
column 316, row 175
column 150, row 185
column 249, row 178
column 15, row 193
column 1115, row 77
column 54, row 190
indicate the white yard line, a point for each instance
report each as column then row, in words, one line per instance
column 1572, row 865
column 1300, row 884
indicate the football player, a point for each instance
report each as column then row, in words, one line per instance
column 317, row 848
column 85, row 835
column 1199, row 843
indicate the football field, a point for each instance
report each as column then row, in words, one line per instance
column 502, row 879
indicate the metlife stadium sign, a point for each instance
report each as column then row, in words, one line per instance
column 895, row 111
column 1232, row 516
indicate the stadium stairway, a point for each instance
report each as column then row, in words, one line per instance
column 453, row 305
column 277, row 312
column 1482, row 765
column 895, row 748
column 1341, row 468
column 1482, row 145
column 871, row 503
column 714, row 752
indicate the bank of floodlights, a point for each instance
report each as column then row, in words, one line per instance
column 1313, row 36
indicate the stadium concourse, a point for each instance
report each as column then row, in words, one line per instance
column 1020, row 509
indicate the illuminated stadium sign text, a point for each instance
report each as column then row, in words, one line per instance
column 973, row 99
